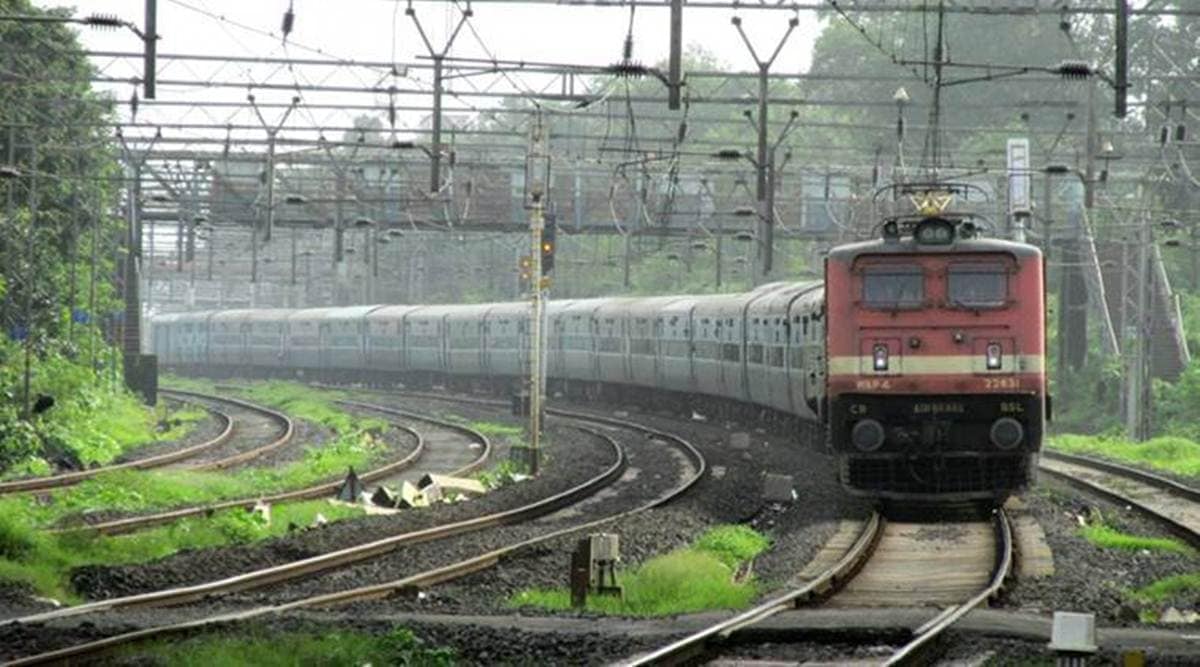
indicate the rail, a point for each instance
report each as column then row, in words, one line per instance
column 428, row 578
column 689, row 647
column 910, row 653
column 71, row 478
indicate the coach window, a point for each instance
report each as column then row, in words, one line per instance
column 977, row 285
column 893, row 287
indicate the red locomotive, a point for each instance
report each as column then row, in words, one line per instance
column 936, row 360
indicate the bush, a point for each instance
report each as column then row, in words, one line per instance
column 733, row 544
column 18, row 538
column 90, row 423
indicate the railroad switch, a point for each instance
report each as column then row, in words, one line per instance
column 594, row 568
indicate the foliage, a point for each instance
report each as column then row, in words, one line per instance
column 494, row 429
column 266, row 647
column 1108, row 537
column 685, row 580
column 733, row 544
column 91, row 422
column 46, row 561
column 1177, row 455
column 1175, row 404
column 500, row 474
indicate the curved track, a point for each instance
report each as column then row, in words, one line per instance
column 887, row 550
column 139, row 522
column 252, row 424
column 426, row 578
column 239, row 418
column 1171, row 503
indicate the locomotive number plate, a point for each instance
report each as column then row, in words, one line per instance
column 1001, row 383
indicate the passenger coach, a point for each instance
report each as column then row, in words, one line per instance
column 920, row 356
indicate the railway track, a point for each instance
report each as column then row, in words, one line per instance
column 1175, row 505
column 880, row 560
column 426, row 578
column 143, row 521
column 237, row 417
column 447, row 459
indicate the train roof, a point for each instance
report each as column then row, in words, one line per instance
column 908, row 246
column 335, row 313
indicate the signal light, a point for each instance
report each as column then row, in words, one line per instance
column 549, row 241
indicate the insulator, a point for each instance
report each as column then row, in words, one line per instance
column 628, row 70
column 133, row 105
column 1074, row 69
column 289, row 20
column 392, row 113
column 1163, row 133
column 628, row 50
column 683, row 128
column 104, row 21
column 729, row 154
column 1180, row 132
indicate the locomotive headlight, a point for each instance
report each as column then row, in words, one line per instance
column 881, row 357
column 995, row 358
column 867, row 435
column 1006, row 433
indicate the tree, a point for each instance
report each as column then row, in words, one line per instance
column 54, row 132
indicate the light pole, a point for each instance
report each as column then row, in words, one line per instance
column 295, row 200
column 380, row 241
column 366, row 225
column 307, row 255
column 197, row 221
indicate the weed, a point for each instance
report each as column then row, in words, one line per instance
column 1111, row 538
column 493, row 429
column 1165, row 589
column 262, row 646
column 1172, row 454
column 733, row 544
column 500, row 474
column 683, row 581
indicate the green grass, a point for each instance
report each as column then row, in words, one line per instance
column 45, row 560
column 698, row 578
column 494, row 429
column 263, row 647
column 1165, row 589
column 1171, row 454
column 1111, row 538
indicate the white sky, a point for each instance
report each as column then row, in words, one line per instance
column 367, row 29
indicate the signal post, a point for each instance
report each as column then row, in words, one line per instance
column 537, row 179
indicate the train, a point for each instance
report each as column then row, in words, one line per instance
column 918, row 362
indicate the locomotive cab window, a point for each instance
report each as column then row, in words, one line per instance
column 893, row 287
column 977, row 285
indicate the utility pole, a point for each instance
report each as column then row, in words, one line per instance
column 1072, row 295
column 1137, row 376
column 30, row 272
column 675, row 59
column 439, row 57
column 272, row 133
column 134, row 366
column 767, row 222
column 537, row 182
